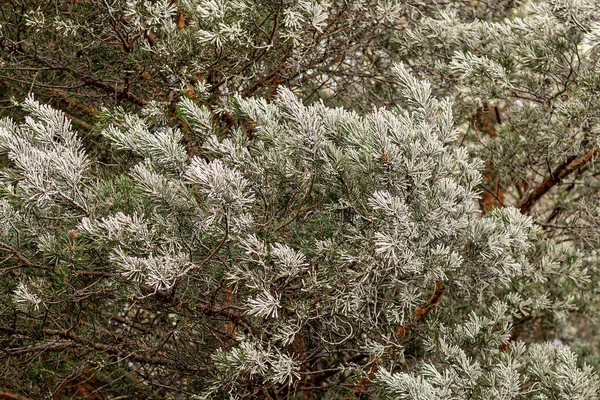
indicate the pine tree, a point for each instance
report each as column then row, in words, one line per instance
column 309, row 199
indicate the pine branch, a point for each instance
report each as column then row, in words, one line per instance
column 402, row 333
column 108, row 349
column 121, row 94
column 23, row 259
column 44, row 347
column 561, row 172
column 10, row 395
column 132, row 324
column 300, row 209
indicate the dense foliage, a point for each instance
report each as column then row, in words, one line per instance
column 299, row 199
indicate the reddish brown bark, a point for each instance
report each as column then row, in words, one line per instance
column 561, row 172
column 485, row 121
column 7, row 394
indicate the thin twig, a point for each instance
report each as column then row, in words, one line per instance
column 299, row 211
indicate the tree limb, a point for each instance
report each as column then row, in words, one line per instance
column 561, row 172
column 8, row 394
column 120, row 94
column 401, row 333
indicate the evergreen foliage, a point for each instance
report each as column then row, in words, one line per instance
column 309, row 199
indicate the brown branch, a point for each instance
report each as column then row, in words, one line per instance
column 62, row 96
column 561, row 172
column 108, row 349
column 30, row 264
column 300, row 209
column 120, row 94
column 219, row 246
column 433, row 301
column 490, row 200
column 93, row 273
column 269, row 80
column 23, row 259
column 8, row 394
column 132, row 324
column 72, row 105
column 112, row 350
column 236, row 319
column 79, row 122
column 54, row 345
column 401, row 333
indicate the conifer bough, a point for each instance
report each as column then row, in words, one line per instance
column 284, row 200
